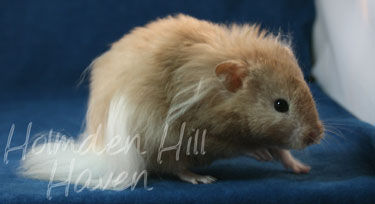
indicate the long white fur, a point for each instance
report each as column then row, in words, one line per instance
column 110, row 168
column 180, row 105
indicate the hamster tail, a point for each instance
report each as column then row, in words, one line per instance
column 117, row 166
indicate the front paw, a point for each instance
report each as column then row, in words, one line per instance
column 262, row 154
column 297, row 167
column 289, row 162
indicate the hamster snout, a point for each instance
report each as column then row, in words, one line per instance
column 314, row 135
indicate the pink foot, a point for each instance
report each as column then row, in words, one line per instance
column 193, row 178
column 289, row 162
column 262, row 154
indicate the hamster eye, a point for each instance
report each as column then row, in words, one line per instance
column 281, row 105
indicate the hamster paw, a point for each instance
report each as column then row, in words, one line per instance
column 289, row 162
column 261, row 155
column 298, row 167
column 193, row 178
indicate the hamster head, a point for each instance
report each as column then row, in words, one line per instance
column 268, row 90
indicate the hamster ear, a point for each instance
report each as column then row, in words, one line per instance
column 232, row 73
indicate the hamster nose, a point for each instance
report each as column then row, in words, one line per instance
column 312, row 137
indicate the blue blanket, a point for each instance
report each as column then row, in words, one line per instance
column 45, row 46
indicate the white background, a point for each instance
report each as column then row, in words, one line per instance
column 344, row 49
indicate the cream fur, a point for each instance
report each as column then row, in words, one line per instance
column 164, row 74
column 118, row 159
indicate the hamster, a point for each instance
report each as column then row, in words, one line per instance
column 186, row 92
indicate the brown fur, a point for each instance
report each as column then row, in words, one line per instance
column 152, row 65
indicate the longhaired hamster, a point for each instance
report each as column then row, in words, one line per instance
column 182, row 92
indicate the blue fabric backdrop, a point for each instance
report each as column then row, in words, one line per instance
column 45, row 45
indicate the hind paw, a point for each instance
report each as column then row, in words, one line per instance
column 193, row 178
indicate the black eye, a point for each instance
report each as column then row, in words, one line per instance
column 281, row 105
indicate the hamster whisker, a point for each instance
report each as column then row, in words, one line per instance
column 334, row 136
column 339, row 124
column 338, row 130
column 333, row 129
